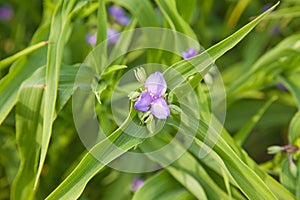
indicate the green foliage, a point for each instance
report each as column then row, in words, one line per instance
column 41, row 155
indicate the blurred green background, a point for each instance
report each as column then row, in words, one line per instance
column 212, row 21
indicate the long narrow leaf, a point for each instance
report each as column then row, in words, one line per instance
column 29, row 124
column 60, row 26
column 5, row 62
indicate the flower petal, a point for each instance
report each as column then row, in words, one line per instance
column 160, row 108
column 156, row 84
column 143, row 102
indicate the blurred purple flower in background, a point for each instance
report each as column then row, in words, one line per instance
column 266, row 7
column 191, row 52
column 275, row 30
column 6, row 13
column 156, row 87
column 113, row 37
column 282, row 87
column 91, row 38
column 118, row 14
column 137, row 183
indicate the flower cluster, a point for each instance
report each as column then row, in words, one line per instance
column 119, row 15
column 112, row 35
column 153, row 97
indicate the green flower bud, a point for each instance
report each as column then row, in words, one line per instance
column 140, row 74
column 170, row 97
column 133, row 95
column 293, row 169
column 150, row 123
column 274, row 149
column 175, row 109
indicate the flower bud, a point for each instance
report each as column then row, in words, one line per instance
column 274, row 149
column 133, row 95
column 293, row 167
column 170, row 97
column 175, row 109
column 140, row 74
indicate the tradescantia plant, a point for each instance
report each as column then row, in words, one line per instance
column 117, row 100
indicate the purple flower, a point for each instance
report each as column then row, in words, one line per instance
column 156, row 84
column 265, row 7
column 116, row 11
column 91, row 39
column 112, row 35
column 137, row 184
column 156, row 87
column 143, row 102
column 119, row 15
column 191, row 52
column 160, row 108
column 282, row 87
column 6, row 13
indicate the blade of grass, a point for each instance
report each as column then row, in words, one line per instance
column 74, row 184
column 156, row 186
column 292, row 83
column 60, row 26
column 142, row 10
column 192, row 176
column 203, row 61
column 174, row 19
column 7, row 61
column 243, row 133
column 22, row 69
column 186, row 9
column 249, row 178
column 29, row 124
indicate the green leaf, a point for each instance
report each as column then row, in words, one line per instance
column 160, row 186
column 192, row 176
column 202, row 62
column 294, row 130
column 277, row 60
column 74, row 184
column 253, row 182
column 293, row 85
column 287, row 179
column 290, row 12
column 186, row 9
column 20, row 71
column 102, row 27
column 243, row 133
column 60, row 26
column 5, row 62
column 189, row 182
column 113, row 68
column 174, row 19
column 142, row 10
column 29, row 124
